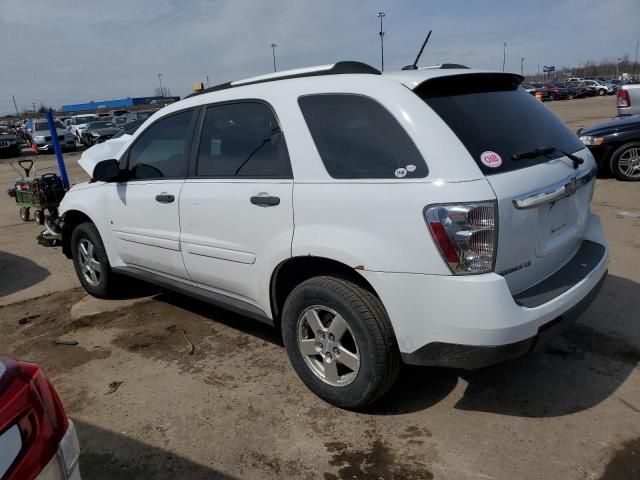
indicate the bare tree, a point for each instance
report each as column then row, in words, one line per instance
column 162, row 92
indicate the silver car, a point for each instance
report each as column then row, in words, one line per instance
column 41, row 137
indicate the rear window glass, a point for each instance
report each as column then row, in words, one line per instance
column 358, row 138
column 496, row 120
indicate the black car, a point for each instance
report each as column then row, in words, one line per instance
column 98, row 132
column 9, row 143
column 615, row 145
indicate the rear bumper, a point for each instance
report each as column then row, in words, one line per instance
column 472, row 357
column 473, row 321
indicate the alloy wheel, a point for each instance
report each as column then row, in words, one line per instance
column 629, row 163
column 89, row 265
column 328, row 346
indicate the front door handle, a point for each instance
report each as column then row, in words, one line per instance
column 265, row 201
column 165, row 198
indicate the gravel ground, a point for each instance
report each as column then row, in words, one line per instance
column 235, row 409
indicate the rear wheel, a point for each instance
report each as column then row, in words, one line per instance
column 91, row 262
column 340, row 342
column 625, row 162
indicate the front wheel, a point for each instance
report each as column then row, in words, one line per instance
column 625, row 162
column 601, row 92
column 340, row 342
column 91, row 262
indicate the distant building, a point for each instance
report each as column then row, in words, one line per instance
column 121, row 103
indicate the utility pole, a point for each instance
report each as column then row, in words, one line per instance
column 207, row 81
column 381, row 15
column 637, row 44
column 522, row 66
column 273, row 50
column 14, row 104
column 34, row 107
column 504, row 55
column 160, row 80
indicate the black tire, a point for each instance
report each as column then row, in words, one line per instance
column 105, row 287
column 24, row 214
column 602, row 92
column 614, row 164
column 371, row 329
column 38, row 216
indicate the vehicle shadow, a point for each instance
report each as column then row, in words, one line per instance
column 219, row 315
column 581, row 368
column 106, row 455
column 18, row 273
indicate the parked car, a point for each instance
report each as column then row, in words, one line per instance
column 615, row 145
column 9, row 143
column 536, row 89
column 613, row 85
column 98, row 132
column 628, row 99
column 79, row 123
column 596, row 86
column 42, row 141
column 140, row 115
column 555, row 91
column 575, row 91
column 37, row 440
column 118, row 113
column 423, row 227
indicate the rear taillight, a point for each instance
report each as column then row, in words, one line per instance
column 466, row 235
column 30, row 402
column 623, row 99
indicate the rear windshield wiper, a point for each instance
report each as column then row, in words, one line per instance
column 539, row 152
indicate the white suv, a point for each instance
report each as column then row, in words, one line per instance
column 432, row 217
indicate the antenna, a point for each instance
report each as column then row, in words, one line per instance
column 414, row 66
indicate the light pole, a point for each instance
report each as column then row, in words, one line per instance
column 34, row 107
column 637, row 44
column 381, row 15
column 504, row 55
column 273, row 50
column 522, row 66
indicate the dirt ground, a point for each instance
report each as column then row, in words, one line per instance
column 235, row 409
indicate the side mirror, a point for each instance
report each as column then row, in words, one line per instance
column 106, row 171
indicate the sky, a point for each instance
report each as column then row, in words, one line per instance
column 63, row 51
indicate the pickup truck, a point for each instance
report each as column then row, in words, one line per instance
column 629, row 99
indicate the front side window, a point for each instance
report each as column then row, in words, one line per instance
column 357, row 137
column 242, row 140
column 160, row 151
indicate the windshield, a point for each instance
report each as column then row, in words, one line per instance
column 97, row 125
column 143, row 115
column 81, row 120
column 495, row 119
column 44, row 126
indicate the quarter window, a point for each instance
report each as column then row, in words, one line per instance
column 242, row 140
column 159, row 152
column 358, row 138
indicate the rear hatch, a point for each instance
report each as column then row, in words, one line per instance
column 543, row 199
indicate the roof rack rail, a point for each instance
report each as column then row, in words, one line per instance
column 338, row 68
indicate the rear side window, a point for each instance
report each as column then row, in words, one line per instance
column 496, row 120
column 357, row 137
column 242, row 140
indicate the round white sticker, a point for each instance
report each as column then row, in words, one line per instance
column 401, row 172
column 411, row 168
column 491, row 159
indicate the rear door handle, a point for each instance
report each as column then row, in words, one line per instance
column 165, row 198
column 265, row 201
